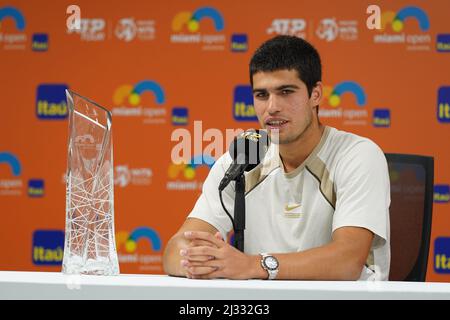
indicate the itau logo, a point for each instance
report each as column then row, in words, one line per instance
column 382, row 118
column 48, row 247
column 243, row 108
column 443, row 42
column 443, row 105
column 187, row 28
column 334, row 97
column 442, row 255
column 396, row 28
column 12, row 35
column 128, row 101
column 51, row 101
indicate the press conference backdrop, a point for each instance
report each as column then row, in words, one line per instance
column 161, row 65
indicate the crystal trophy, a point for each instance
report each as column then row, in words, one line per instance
column 89, row 246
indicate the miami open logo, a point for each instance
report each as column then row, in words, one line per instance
column 398, row 27
column 10, row 183
column 188, row 27
column 12, row 37
column 182, row 175
column 141, row 247
column 354, row 111
column 131, row 101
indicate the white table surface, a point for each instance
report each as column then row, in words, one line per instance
column 54, row 285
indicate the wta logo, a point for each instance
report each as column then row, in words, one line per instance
column 397, row 20
column 15, row 14
column 192, row 20
column 133, row 97
column 334, row 94
column 130, row 240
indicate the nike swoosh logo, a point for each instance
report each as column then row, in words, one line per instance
column 290, row 208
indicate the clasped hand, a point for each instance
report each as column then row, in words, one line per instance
column 208, row 256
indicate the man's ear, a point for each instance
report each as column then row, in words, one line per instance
column 316, row 94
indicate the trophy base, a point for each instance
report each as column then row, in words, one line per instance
column 98, row 267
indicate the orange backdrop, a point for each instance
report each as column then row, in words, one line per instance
column 394, row 81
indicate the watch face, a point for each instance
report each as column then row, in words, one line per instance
column 271, row 263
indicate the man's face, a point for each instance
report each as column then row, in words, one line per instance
column 282, row 104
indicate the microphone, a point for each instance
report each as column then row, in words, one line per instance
column 247, row 150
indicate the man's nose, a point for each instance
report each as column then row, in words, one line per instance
column 273, row 105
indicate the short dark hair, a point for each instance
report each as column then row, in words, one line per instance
column 288, row 52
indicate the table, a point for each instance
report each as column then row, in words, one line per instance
column 53, row 285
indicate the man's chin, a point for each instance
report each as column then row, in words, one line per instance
column 277, row 138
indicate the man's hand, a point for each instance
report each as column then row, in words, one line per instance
column 208, row 257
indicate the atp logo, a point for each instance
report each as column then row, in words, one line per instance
column 10, row 186
column 334, row 94
column 393, row 28
column 187, row 171
column 133, row 96
column 10, row 40
column 397, row 20
column 191, row 22
column 349, row 115
column 132, row 248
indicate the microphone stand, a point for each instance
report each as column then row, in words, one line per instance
column 239, row 212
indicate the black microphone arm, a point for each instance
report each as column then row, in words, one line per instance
column 235, row 170
column 247, row 151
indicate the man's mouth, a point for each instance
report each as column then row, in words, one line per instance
column 276, row 124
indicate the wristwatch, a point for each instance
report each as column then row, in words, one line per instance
column 270, row 264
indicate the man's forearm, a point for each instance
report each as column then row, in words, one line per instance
column 330, row 262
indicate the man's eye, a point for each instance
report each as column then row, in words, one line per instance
column 286, row 92
column 261, row 95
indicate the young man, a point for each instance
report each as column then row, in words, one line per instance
column 318, row 209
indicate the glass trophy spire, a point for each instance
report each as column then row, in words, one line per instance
column 89, row 246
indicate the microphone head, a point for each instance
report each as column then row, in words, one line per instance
column 249, row 148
